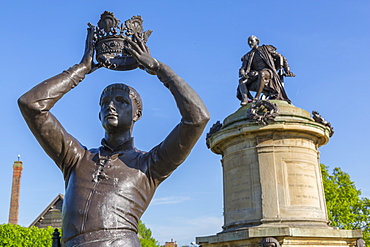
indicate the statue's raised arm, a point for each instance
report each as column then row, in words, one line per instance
column 178, row 144
column 36, row 104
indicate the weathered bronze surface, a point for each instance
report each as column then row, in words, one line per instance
column 262, row 111
column 215, row 128
column 319, row 119
column 262, row 72
column 111, row 41
column 270, row 242
column 107, row 189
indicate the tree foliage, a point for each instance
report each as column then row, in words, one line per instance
column 146, row 239
column 18, row 236
column 346, row 209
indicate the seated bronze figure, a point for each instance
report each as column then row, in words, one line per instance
column 262, row 72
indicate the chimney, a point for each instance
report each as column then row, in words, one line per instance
column 170, row 244
column 14, row 201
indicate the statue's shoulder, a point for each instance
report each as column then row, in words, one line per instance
column 270, row 47
column 246, row 56
column 138, row 152
column 94, row 150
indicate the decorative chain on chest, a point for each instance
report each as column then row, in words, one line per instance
column 99, row 173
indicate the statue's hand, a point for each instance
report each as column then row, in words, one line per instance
column 88, row 58
column 289, row 74
column 243, row 75
column 141, row 53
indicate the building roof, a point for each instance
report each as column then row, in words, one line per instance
column 52, row 215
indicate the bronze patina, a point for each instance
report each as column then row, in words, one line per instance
column 263, row 70
column 270, row 242
column 107, row 189
column 112, row 38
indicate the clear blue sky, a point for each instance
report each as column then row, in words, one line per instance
column 326, row 43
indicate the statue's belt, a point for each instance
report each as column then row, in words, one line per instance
column 96, row 237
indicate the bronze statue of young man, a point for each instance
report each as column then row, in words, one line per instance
column 108, row 188
column 259, row 73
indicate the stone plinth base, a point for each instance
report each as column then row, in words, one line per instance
column 273, row 187
column 287, row 236
column 272, row 172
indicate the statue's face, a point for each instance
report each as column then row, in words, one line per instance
column 116, row 110
column 253, row 42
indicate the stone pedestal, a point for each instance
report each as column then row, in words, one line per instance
column 286, row 236
column 272, row 181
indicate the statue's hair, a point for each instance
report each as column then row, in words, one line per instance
column 134, row 95
column 253, row 36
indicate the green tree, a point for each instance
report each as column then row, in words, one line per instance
column 346, row 209
column 18, row 236
column 146, row 238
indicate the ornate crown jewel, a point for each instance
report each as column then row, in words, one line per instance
column 111, row 41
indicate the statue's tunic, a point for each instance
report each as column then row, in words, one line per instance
column 115, row 202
